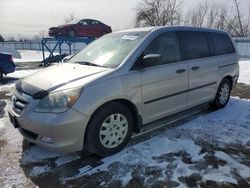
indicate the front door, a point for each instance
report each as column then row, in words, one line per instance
column 163, row 82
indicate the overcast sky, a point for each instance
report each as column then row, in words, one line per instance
column 29, row 17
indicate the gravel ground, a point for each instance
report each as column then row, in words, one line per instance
column 24, row 165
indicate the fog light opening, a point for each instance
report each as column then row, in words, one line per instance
column 47, row 140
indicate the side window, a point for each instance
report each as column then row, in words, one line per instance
column 83, row 22
column 222, row 44
column 94, row 22
column 195, row 44
column 166, row 45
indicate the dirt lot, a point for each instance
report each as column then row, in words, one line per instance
column 203, row 159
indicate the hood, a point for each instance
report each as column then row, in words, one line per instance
column 65, row 25
column 41, row 83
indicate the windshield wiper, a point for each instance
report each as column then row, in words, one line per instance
column 89, row 64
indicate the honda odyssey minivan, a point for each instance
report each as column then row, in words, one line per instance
column 121, row 82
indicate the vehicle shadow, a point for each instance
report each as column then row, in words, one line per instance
column 47, row 169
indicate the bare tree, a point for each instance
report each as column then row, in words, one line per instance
column 198, row 15
column 220, row 16
column 69, row 18
column 158, row 12
column 227, row 17
column 239, row 17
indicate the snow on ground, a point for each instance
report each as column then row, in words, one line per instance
column 13, row 77
column 244, row 72
column 218, row 126
column 176, row 153
column 31, row 56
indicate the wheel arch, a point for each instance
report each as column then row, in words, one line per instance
column 131, row 106
column 230, row 78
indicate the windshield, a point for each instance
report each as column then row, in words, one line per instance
column 75, row 21
column 110, row 50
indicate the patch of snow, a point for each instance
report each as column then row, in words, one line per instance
column 2, row 123
column 219, row 175
column 241, row 169
column 126, row 178
column 15, row 76
column 31, row 56
column 37, row 170
column 244, row 72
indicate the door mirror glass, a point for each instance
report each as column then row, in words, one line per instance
column 152, row 59
column 65, row 60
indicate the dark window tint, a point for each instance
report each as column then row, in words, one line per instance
column 84, row 22
column 167, row 46
column 195, row 44
column 94, row 22
column 222, row 44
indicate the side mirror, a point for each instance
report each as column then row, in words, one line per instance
column 152, row 58
column 65, row 60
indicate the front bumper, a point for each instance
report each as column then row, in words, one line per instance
column 66, row 130
column 54, row 33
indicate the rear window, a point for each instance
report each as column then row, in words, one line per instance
column 195, row 44
column 222, row 44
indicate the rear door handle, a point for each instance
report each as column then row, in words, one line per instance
column 179, row 71
column 195, row 68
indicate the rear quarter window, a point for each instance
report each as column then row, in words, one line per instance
column 222, row 44
column 194, row 44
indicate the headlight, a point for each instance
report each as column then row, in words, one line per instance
column 60, row 101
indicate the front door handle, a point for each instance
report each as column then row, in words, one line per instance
column 179, row 71
column 195, row 68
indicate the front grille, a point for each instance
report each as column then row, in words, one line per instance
column 19, row 105
column 28, row 134
column 19, row 102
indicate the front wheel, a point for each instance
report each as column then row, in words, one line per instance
column 109, row 129
column 223, row 94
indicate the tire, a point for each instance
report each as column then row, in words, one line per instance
column 223, row 94
column 1, row 74
column 71, row 33
column 109, row 129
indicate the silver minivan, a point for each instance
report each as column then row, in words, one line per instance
column 121, row 82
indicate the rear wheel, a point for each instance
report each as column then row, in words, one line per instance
column 71, row 33
column 110, row 129
column 223, row 94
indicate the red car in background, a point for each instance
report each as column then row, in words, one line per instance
column 81, row 28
